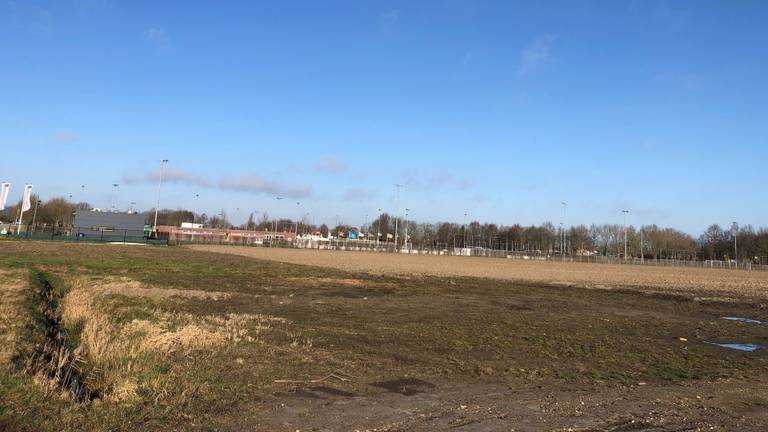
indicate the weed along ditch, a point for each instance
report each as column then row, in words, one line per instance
column 53, row 355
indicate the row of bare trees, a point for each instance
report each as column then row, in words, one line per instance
column 743, row 243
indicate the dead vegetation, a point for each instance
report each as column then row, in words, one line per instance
column 13, row 289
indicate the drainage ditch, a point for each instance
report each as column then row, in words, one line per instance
column 53, row 353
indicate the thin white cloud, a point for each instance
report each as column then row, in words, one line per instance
column 330, row 165
column 389, row 19
column 535, row 55
column 65, row 138
column 156, row 35
column 260, row 185
column 170, row 175
column 430, row 181
column 358, row 194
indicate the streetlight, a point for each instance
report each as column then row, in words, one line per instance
column 296, row 234
column 159, row 186
column 626, row 212
column 406, row 230
column 562, row 246
column 466, row 221
column 193, row 210
column 114, row 195
column 397, row 207
column 34, row 216
column 274, row 235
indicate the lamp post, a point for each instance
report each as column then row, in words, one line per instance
column 34, row 216
column 407, row 246
column 562, row 246
column 625, row 232
column 114, row 195
column 274, row 233
column 397, row 211
column 159, row 187
column 465, row 230
column 735, row 228
column 193, row 210
column 296, row 233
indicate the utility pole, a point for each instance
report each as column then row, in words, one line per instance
column 296, row 234
column 407, row 247
column 466, row 221
column 34, row 216
column 114, row 195
column 159, row 187
column 735, row 250
column 625, row 233
column 642, row 257
column 562, row 249
column 397, row 211
column 194, row 209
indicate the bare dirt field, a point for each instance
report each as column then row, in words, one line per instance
column 702, row 282
column 125, row 338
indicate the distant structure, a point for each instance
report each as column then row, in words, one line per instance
column 93, row 223
column 221, row 235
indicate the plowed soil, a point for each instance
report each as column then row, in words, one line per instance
column 696, row 281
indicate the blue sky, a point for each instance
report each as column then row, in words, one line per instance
column 497, row 109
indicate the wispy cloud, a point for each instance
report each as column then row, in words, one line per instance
column 245, row 183
column 389, row 19
column 156, row 35
column 330, row 165
column 170, row 175
column 535, row 55
column 65, row 138
column 358, row 194
column 436, row 180
column 260, row 185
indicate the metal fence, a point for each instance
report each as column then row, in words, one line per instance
column 76, row 234
column 536, row 255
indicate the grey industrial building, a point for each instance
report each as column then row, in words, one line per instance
column 108, row 225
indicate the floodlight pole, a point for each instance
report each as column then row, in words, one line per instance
column 397, row 211
column 296, row 234
column 114, row 195
column 735, row 250
column 159, row 186
column 193, row 210
column 625, row 233
column 34, row 216
column 406, row 231
column 562, row 246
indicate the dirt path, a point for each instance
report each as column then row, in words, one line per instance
column 704, row 282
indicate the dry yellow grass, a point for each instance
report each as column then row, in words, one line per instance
column 12, row 287
column 702, row 282
column 103, row 341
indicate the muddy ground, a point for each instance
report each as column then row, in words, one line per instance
column 177, row 339
column 685, row 280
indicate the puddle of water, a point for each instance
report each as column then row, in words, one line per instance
column 738, row 346
column 405, row 386
column 744, row 320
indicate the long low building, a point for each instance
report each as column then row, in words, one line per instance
column 219, row 235
column 98, row 224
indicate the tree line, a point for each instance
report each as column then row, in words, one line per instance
column 744, row 243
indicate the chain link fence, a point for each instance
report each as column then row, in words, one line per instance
column 77, row 234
